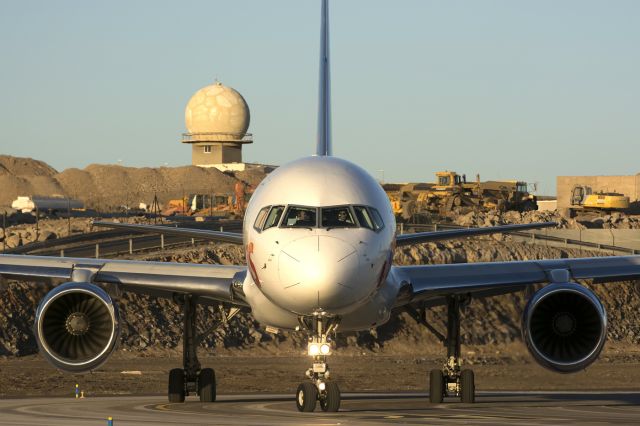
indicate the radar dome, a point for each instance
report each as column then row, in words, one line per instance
column 217, row 113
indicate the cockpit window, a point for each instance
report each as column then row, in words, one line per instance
column 338, row 217
column 300, row 217
column 346, row 216
column 377, row 219
column 273, row 218
column 262, row 214
column 364, row 218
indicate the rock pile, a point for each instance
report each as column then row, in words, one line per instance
column 28, row 232
column 614, row 220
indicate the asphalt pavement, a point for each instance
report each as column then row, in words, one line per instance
column 521, row 408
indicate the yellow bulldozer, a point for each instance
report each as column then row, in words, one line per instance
column 453, row 193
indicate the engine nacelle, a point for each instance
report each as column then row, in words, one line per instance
column 77, row 327
column 564, row 327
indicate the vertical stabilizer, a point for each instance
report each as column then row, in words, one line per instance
column 324, row 96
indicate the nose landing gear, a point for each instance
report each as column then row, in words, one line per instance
column 319, row 388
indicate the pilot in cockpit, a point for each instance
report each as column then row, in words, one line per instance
column 337, row 217
column 343, row 218
column 303, row 218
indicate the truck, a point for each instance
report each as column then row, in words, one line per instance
column 52, row 205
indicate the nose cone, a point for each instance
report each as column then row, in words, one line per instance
column 321, row 272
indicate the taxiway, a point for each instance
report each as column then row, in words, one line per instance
column 520, row 408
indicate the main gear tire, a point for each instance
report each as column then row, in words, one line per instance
column 207, row 385
column 436, row 386
column 467, row 387
column 176, row 385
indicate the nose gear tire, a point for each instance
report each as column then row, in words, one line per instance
column 331, row 401
column 306, row 397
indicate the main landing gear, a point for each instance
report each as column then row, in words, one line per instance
column 192, row 378
column 319, row 388
column 452, row 380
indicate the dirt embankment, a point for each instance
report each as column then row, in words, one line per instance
column 25, row 176
column 107, row 187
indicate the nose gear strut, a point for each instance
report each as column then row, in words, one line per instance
column 319, row 347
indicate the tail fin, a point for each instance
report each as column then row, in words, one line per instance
column 323, row 146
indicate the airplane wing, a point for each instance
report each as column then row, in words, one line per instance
column 433, row 283
column 423, row 237
column 163, row 279
column 223, row 237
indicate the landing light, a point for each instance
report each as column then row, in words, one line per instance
column 319, row 348
column 314, row 349
column 325, row 349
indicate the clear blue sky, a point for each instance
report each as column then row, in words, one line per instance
column 507, row 89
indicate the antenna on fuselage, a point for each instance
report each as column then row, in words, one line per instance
column 323, row 146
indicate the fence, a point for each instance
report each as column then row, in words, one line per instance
column 616, row 241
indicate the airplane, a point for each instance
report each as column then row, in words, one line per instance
column 319, row 235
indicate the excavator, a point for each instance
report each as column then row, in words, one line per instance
column 584, row 199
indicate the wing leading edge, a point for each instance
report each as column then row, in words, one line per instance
column 162, row 279
column 423, row 237
column 425, row 283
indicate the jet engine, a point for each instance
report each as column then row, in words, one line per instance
column 77, row 326
column 564, row 327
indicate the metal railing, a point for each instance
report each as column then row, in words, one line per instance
column 220, row 137
column 102, row 239
column 533, row 237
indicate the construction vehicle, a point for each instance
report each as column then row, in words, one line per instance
column 403, row 198
column 176, row 206
column 393, row 192
column 201, row 205
column 29, row 204
column 584, row 199
column 453, row 193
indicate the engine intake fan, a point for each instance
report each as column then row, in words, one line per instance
column 77, row 326
column 564, row 327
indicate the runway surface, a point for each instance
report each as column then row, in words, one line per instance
column 490, row 408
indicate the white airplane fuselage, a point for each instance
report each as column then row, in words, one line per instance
column 303, row 270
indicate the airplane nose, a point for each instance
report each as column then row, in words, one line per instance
column 320, row 272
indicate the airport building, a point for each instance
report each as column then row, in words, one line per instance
column 217, row 119
column 625, row 185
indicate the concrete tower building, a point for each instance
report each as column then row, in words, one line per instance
column 217, row 118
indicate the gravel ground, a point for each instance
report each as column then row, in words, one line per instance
column 146, row 374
